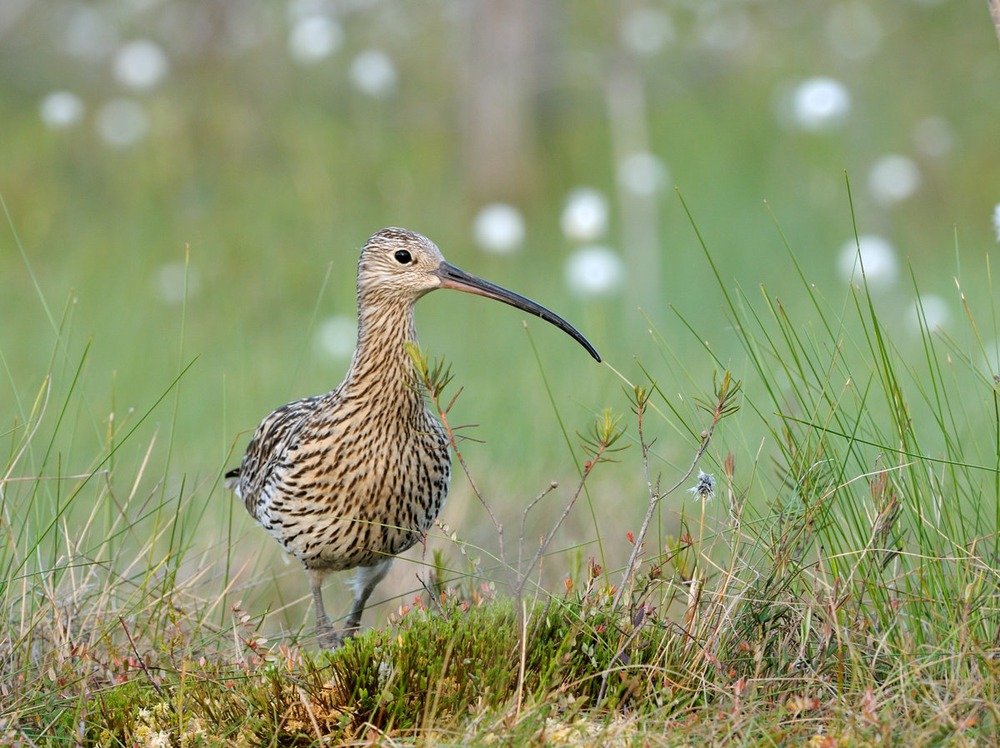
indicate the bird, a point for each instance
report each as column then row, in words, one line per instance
column 352, row 478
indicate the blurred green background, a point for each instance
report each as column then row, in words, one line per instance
column 538, row 143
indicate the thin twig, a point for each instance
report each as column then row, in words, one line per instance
column 138, row 658
column 434, row 389
column 431, row 595
column 524, row 520
column 543, row 546
column 725, row 392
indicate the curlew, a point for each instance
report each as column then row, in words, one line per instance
column 354, row 477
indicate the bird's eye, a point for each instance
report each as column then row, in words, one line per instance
column 402, row 256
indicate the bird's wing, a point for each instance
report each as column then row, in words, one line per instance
column 274, row 436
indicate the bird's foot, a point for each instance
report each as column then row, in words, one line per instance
column 328, row 637
column 331, row 639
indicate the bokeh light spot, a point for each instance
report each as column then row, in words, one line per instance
column 930, row 311
column 893, row 178
column 141, row 64
column 877, row 256
column 646, row 31
column 643, row 174
column 176, row 281
column 585, row 215
column 314, row 38
column 374, row 74
column 819, row 104
column 594, row 271
column 498, row 228
column 122, row 122
column 89, row 33
column 933, row 137
column 60, row 110
column 336, row 336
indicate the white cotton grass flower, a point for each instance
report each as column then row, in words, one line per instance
column 336, row 336
column 933, row 137
column 893, row 178
column 176, row 281
column 373, row 73
column 872, row 253
column 585, row 215
column 61, row 110
column 594, row 271
column 313, row 38
column 929, row 312
column 818, row 104
column 122, row 123
column 141, row 65
column 643, row 174
column 90, row 33
column 996, row 221
column 385, row 671
column 158, row 739
column 498, row 228
column 704, row 487
column 646, row 31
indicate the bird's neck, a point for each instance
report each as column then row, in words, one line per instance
column 382, row 366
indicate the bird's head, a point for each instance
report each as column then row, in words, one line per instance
column 398, row 266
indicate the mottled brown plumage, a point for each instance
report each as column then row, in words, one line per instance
column 351, row 478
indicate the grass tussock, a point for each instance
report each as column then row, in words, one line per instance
column 819, row 569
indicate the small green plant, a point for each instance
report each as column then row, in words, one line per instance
column 820, row 569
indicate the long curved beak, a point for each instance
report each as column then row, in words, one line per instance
column 459, row 280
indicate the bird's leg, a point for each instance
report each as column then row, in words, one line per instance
column 325, row 633
column 364, row 584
